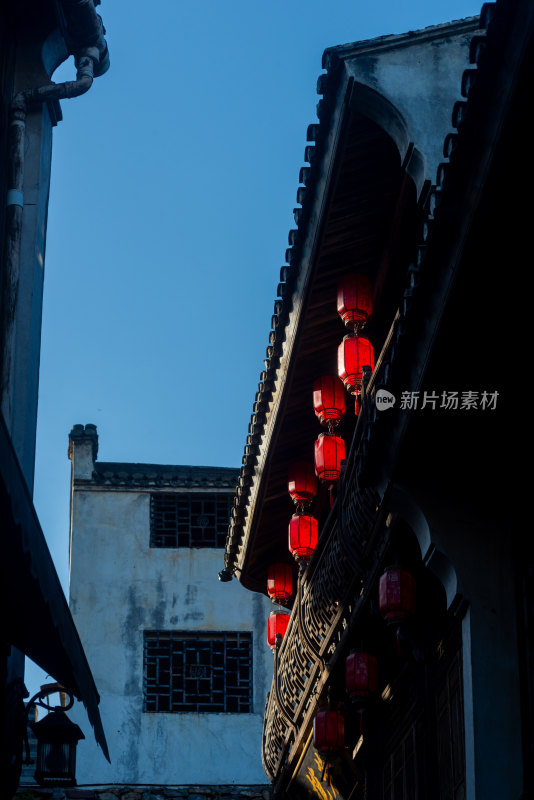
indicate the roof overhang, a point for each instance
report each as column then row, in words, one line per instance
column 37, row 619
column 360, row 207
column 368, row 195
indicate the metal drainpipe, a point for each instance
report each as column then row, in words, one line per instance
column 86, row 61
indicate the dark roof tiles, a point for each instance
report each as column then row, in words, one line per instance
column 182, row 476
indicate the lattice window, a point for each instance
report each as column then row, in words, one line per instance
column 197, row 672
column 189, row 520
column 451, row 759
column 400, row 774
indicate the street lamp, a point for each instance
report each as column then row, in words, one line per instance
column 57, row 738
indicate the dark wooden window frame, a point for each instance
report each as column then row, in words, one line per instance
column 188, row 519
column 194, row 672
column 431, row 721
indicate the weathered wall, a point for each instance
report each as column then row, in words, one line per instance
column 421, row 77
column 120, row 587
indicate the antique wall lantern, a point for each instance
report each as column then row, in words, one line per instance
column 361, row 675
column 361, row 679
column 303, row 536
column 329, row 400
column 302, row 483
column 396, row 594
column 279, row 582
column 396, row 598
column 354, row 300
column 276, row 624
column 57, row 738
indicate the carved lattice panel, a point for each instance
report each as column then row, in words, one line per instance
column 331, row 587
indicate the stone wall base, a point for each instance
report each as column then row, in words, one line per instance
column 148, row 793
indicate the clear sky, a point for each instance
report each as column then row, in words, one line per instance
column 173, row 186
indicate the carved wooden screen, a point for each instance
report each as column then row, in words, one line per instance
column 316, row 626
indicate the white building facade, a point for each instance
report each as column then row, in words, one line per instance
column 180, row 660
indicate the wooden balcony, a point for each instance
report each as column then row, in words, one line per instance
column 329, row 593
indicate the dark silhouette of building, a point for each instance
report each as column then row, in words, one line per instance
column 413, row 179
column 35, row 37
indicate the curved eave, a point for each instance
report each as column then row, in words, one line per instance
column 38, row 620
column 396, row 40
column 362, row 205
column 331, row 239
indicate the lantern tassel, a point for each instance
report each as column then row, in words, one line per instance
column 331, row 491
column 399, row 644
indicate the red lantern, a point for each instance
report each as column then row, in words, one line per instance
column 328, row 399
column 303, row 536
column 361, row 675
column 302, row 483
column 396, row 594
column 277, row 623
column 354, row 300
column 329, row 452
column 328, row 732
column 353, row 353
column 280, row 581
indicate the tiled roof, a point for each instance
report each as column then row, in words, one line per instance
column 114, row 473
column 327, row 86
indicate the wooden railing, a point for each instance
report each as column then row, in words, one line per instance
column 321, row 613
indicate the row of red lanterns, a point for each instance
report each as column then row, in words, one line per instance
column 279, row 589
column 329, row 407
column 354, row 305
column 396, row 596
column 302, row 540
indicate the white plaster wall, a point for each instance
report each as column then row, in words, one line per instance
column 120, row 587
column 422, row 81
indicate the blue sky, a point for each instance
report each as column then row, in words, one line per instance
column 173, row 185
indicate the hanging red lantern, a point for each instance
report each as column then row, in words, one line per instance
column 329, row 732
column 361, row 675
column 277, row 623
column 353, row 353
column 302, row 483
column 329, row 452
column 354, row 300
column 280, row 581
column 396, row 594
column 303, row 536
column 328, row 399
